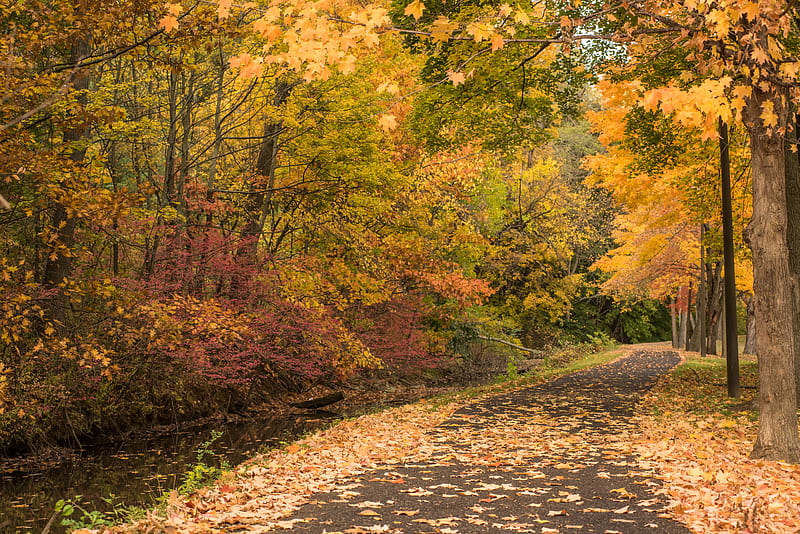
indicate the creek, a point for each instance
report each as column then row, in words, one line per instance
column 134, row 472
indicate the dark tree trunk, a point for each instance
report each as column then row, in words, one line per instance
column 59, row 263
column 773, row 292
column 793, row 243
column 260, row 203
column 731, row 339
column 715, row 307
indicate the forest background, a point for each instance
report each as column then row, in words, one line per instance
column 210, row 204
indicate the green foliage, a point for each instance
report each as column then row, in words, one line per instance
column 75, row 516
column 202, row 473
column 601, row 316
column 653, row 138
column 511, row 368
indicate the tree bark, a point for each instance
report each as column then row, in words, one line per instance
column 793, row 242
column 683, row 317
column 673, row 316
column 750, row 340
column 715, row 307
column 260, row 202
column 702, row 297
column 777, row 430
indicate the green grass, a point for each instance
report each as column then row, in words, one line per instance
column 699, row 386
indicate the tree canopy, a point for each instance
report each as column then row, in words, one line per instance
column 268, row 195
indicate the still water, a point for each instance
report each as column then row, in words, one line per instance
column 134, row 472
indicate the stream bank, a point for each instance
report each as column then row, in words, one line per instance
column 137, row 470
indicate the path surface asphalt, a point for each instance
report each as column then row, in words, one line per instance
column 577, row 482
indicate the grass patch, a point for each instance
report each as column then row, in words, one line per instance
column 698, row 386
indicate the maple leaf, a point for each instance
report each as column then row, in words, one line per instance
column 388, row 87
column 224, row 9
column 168, row 22
column 480, row 31
column 790, row 69
column 719, row 21
column 442, row 28
column 260, row 25
column 457, row 77
column 505, row 10
column 249, row 67
column 768, row 114
column 759, row 55
column 415, row 9
column 270, row 32
column 272, row 14
column 751, row 10
column 347, row 65
column 387, row 122
column 497, row 42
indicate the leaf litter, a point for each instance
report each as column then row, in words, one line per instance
column 700, row 443
column 497, row 450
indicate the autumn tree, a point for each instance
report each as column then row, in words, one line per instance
column 667, row 184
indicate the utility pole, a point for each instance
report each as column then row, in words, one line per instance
column 731, row 331
column 702, row 296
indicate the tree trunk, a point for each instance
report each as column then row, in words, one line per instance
column 750, row 340
column 773, row 292
column 715, row 307
column 793, row 243
column 59, row 264
column 689, row 317
column 673, row 315
column 731, row 339
column 702, row 299
column 683, row 317
column 259, row 204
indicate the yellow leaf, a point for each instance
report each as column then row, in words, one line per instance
column 415, row 9
column 456, row 77
column 768, row 114
column 480, row 31
column 388, row 87
column 387, row 122
column 224, row 9
column 790, row 70
column 520, row 17
column 442, row 28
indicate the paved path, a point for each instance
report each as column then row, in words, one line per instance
column 544, row 459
